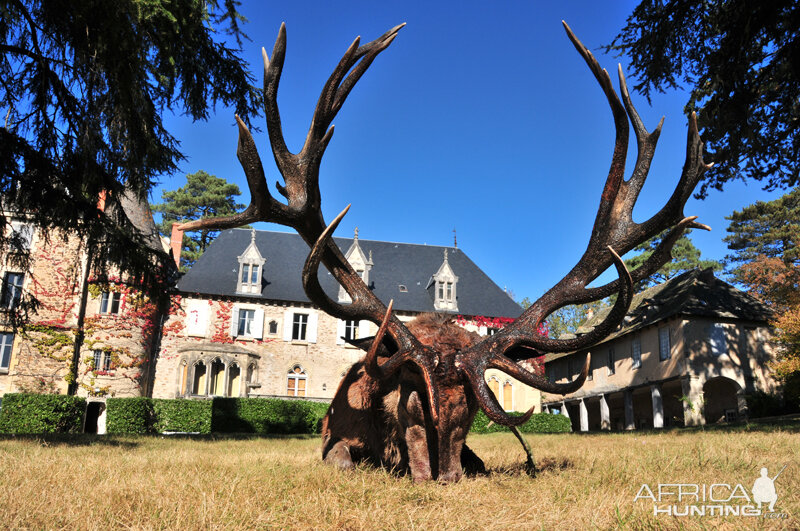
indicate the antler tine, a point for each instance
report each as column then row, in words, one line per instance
column 645, row 142
column 371, row 359
column 262, row 204
column 364, row 305
column 272, row 78
column 356, row 60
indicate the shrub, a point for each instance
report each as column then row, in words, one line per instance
column 129, row 415
column 193, row 416
column 34, row 413
column 266, row 415
column 538, row 423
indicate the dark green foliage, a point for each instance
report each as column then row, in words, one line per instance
column 685, row 257
column 770, row 229
column 186, row 416
column 221, row 415
column 740, row 60
column 203, row 196
column 29, row 413
column 538, row 423
column 85, row 85
column 267, row 415
column 129, row 415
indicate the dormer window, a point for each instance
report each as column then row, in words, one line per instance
column 250, row 268
column 361, row 262
column 445, row 281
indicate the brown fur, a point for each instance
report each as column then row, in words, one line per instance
column 388, row 422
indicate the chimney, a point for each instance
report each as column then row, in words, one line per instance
column 176, row 244
column 101, row 201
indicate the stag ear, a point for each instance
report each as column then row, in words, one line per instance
column 385, row 350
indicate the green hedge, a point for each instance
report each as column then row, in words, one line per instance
column 129, row 415
column 538, row 423
column 192, row 416
column 266, row 415
column 220, row 415
column 31, row 413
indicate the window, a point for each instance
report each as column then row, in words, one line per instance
column 611, row 368
column 717, row 340
column 636, row 352
column 296, row 382
column 351, row 330
column 494, row 386
column 663, row 344
column 109, row 302
column 12, row 290
column 23, row 234
column 246, row 318
column 299, row 326
column 251, row 273
column 273, row 327
column 6, row 343
column 102, row 360
column 199, row 383
column 508, row 396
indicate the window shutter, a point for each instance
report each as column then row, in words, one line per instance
column 287, row 325
column 257, row 328
column 234, row 321
column 363, row 329
column 340, row 332
column 311, row 332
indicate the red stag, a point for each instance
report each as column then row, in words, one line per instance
column 410, row 402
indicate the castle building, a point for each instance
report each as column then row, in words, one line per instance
column 237, row 324
column 241, row 325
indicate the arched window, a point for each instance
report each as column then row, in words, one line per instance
column 494, row 385
column 184, row 373
column 199, row 383
column 234, row 382
column 296, row 383
column 217, row 378
column 273, row 327
column 508, row 396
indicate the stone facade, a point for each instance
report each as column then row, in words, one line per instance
column 115, row 342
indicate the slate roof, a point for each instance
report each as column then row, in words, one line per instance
column 395, row 264
column 694, row 293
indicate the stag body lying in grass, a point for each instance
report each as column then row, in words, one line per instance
column 410, row 403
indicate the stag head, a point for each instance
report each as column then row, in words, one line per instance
column 446, row 384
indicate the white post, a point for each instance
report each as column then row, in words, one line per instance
column 584, row 415
column 658, row 406
column 605, row 415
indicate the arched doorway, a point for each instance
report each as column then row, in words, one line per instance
column 721, row 400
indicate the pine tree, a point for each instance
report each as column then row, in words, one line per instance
column 203, row 196
column 685, row 256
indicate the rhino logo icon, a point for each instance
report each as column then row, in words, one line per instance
column 764, row 489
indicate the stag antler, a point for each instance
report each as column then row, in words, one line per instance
column 614, row 230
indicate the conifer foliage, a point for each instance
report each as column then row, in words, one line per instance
column 83, row 88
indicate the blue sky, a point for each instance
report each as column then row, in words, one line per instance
column 480, row 116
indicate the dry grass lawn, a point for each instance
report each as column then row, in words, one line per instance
column 588, row 482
